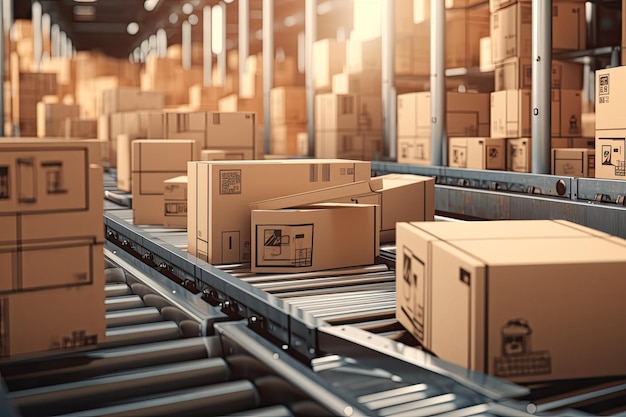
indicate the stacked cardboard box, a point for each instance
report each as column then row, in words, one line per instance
column 168, row 76
column 218, row 211
column 125, row 99
column 288, row 114
column 477, row 153
column 463, row 292
column 465, row 26
column 175, row 202
column 511, row 35
column 329, row 58
column 205, row 98
column 51, row 255
column 51, row 118
column 610, row 140
column 65, row 70
column 154, row 161
column 81, row 128
column 27, row 89
column 467, row 115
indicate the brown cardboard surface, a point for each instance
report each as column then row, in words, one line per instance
column 336, row 112
column 610, row 156
column 575, row 162
column 510, row 114
column 175, row 202
column 220, row 193
column 212, row 155
column 519, row 155
column 348, row 145
column 310, row 239
column 566, row 112
column 284, row 138
column 288, row 105
column 367, row 83
column 477, row 153
column 516, row 73
column 328, row 59
column 464, row 28
column 414, row 150
column 511, row 32
column 230, row 131
column 126, row 99
column 610, row 98
column 363, row 55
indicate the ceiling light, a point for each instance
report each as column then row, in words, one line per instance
column 187, row 8
column 290, row 21
column 85, row 1
column 193, row 19
column 149, row 5
column 228, row 1
column 132, row 28
column 173, row 18
column 84, row 10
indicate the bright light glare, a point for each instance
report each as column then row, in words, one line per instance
column 193, row 19
column 187, row 8
column 149, row 5
column 217, row 38
column 173, row 18
column 132, row 28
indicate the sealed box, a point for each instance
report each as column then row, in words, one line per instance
column 610, row 98
column 51, row 118
column 212, row 155
column 125, row 99
column 336, row 112
column 319, row 237
column 464, row 291
column 414, row 150
column 154, row 161
column 477, row 153
column 401, row 197
column 175, row 202
column 510, row 113
column 519, row 155
column 219, row 213
column 187, row 125
column 575, row 162
column 516, row 73
column 566, row 113
column 329, row 57
column 610, row 154
column 233, row 132
column 288, row 105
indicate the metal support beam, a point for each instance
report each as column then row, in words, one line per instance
column 161, row 40
column 389, row 98
column 541, row 86
column 207, row 54
column 438, row 140
column 55, row 35
column 37, row 44
column 3, row 31
column 62, row 45
column 186, row 55
column 45, row 34
column 244, row 39
column 221, row 56
column 7, row 10
column 268, row 66
column 310, row 35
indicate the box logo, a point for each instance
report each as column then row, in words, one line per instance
column 603, row 85
column 518, row 358
column 4, row 182
column 230, row 181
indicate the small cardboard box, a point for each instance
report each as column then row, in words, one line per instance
column 336, row 112
column 610, row 154
column 575, row 162
column 319, row 237
column 463, row 289
column 401, row 197
column 175, row 202
column 477, row 153
column 219, row 212
column 414, row 150
column 610, row 98
column 510, row 113
column 519, row 155
column 154, row 161
column 288, row 105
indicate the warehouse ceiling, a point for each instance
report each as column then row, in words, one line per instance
column 102, row 24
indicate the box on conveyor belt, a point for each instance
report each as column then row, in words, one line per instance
column 314, row 238
column 401, row 197
column 220, row 193
column 476, row 293
column 477, row 153
column 154, row 161
column 51, row 250
column 51, row 118
column 574, row 162
column 175, row 202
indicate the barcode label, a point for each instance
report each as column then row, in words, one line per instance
column 313, row 177
column 230, row 181
column 326, row 172
column 216, row 118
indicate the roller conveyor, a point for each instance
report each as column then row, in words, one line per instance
column 329, row 342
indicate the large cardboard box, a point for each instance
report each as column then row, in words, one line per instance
column 154, row 161
column 233, row 132
column 363, row 56
column 329, row 57
column 368, row 83
column 401, row 197
column 349, row 145
column 575, row 162
column 463, row 291
column 519, row 155
column 125, row 99
column 175, row 202
column 51, row 118
column 464, row 28
column 516, row 73
column 610, row 154
column 336, row 112
column 477, row 153
column 220, row 193
column 315, row 238
column 610, row 98
column 288, row 105
column 414, row 150
column 566, row 113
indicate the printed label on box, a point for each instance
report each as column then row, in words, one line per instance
column 413, row 281
column 286, row 245
column 518, row 358
column 230, row 181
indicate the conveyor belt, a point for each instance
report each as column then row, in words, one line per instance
column 298, row 344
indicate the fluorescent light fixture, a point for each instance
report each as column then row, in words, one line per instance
column 228, row 1
column 173, row 18
column 193, row 19
column 149, row 5
column 85, row 1
column 188, row 8
column 217, row 28
column 132, row 28
column 84, row 10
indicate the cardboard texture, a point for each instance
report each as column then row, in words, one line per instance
column 220, row 193
column 575, row 162
column 284, row 138
column 126, row 99
column 336, row 112
column 51, row 118
column 288, row 105
column 363, row 56
column 232, row 132
column 412, row 150
column 367, row 83
column 320, row 237
column 464, row 288
column 610, row 98
column 401, row 197
column 477, row 153
column 328, row 60
column 81, row 128
column 205, row 98
column 519, row 155
column 51, row 218
column 349, row 145
column 464, row 29
column 610, row 156
column 154, row 161
column 516, row 73
column 175, row 202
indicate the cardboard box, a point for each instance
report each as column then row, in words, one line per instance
column 448, row 268
column 610, row 155
column 126, row 99
column 349, row 145
column 212, row 155
column 219, row 215
column 519, row 155
column 566, row 113
column 336, row 112
column 467, row 114
column 412, row 52
column 311, row 238
column 486, row 60
column 477, row 153
column 154, row 161
column 575, row 162
column 284, row 140
column 414, row 150
column 51, row 118
column 175, row 202
column 329, row 57
column 81, row 128
column 516, row 73
column 495, row 5
column 401, row 197
column 288, row 105
column 510, row 113
column 205, row 98
column 464, row 28
column 367, row 83
column 610, row 101
column 233, row 132
column 363, row 56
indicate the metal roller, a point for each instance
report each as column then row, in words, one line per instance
column 275, row 411
column 124, row 302
column 116, row 290
column 131, row 317
column 324, row 282
column 316, row 274
column 142, row 333
column 114, row 274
